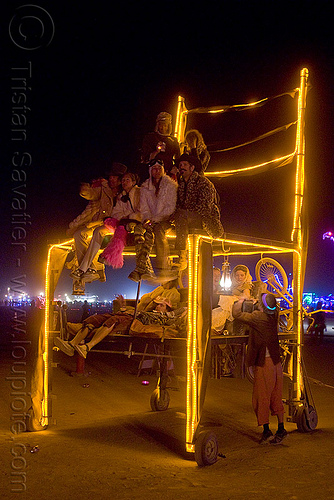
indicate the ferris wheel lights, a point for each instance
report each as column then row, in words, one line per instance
column 329, row 235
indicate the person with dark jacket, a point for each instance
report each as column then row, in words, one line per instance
column 85, row 311
column 160, row 145
column 319, row 325
column 263, row 354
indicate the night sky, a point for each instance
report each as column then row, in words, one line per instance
column 98, row 75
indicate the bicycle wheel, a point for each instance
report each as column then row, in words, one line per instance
column 270, row 272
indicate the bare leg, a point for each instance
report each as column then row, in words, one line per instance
column 99, row 335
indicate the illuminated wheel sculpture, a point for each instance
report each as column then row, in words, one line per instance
column 206, row 449
column 32, row 423
column 270, row 272
column 160, row 400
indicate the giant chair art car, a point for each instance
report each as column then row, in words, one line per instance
column 202, row 251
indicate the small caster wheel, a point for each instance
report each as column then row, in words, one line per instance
column 206, row 449
column 305, row 424
column 32, row 424
column 250, row 374
column 160, row 403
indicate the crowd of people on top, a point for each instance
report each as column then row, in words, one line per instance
column 170, row 191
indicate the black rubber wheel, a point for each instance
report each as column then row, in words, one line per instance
column 206, row 449
column 305, row 424
column 32, row 424
column 312, row 421
column 160, row 403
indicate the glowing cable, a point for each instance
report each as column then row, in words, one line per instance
column 239, row 107
column 275, row 163
column 259, row 138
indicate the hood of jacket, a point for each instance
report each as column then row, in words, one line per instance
column 149, row 183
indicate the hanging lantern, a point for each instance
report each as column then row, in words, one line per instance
column 226, row 282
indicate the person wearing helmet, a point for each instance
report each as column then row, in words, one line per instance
column 160, row 145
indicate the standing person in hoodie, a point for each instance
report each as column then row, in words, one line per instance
column 157, row 203
column 263, row 354
column 161, row 145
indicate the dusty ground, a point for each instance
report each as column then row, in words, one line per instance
column 107, row 443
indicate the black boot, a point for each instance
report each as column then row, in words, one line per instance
column 144, row 269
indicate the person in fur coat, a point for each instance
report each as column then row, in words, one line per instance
column 196, row 206
column 101, row 195
column 157, row 203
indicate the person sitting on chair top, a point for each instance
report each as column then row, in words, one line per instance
column 195, row 146
column 196, row 206
column 157, row 203
column 102, row 195
column 124, row 218
column 161, row 145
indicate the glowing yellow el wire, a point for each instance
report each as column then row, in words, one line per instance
column 284, row 160
column 45, row 355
